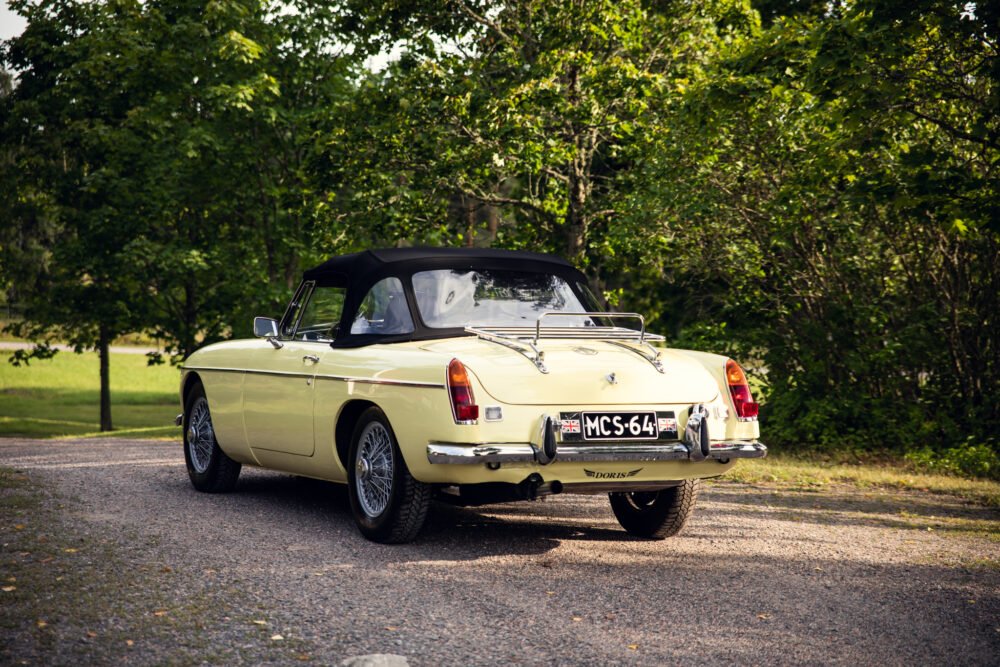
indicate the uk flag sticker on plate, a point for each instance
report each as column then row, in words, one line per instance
column 570, row 425
column 666, row 423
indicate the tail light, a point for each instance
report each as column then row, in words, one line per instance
column 463, row 403
column 739, row 390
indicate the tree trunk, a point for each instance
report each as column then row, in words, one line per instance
column 492, row 222
column 578, row 175
column 576, row 223
column 103, row 352
column 470, row 221
column 189, row 321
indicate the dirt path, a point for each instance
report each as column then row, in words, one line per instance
column 111, row 557
column 115, row 349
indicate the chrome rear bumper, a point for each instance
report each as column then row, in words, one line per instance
column 518, row 452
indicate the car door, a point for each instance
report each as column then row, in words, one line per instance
column 279, row 392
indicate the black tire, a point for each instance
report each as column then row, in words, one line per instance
column 208, row 466
column 388, row 504
column 655, row 514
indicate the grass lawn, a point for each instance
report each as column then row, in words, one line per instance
column 804, row 474
column 61, row 397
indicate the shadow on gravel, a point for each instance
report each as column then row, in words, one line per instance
column 297, row 492
column 447, row 522
column 451, row 533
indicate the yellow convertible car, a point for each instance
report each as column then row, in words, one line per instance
column 465, row 376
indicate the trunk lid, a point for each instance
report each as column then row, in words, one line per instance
column 579, row 373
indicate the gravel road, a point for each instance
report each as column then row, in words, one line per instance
column 109, row 556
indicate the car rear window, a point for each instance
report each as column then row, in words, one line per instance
column 450, row 298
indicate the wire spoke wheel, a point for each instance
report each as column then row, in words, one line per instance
column 388, row 504
column 201, row 436
column 374, row 469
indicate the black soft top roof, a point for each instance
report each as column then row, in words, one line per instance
column 359, row 271
column 362, row 269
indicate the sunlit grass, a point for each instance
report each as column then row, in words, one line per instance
column 794, row 473
column 61, row 397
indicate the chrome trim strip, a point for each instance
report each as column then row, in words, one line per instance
column 392, row 383
column 341, row 378
column 509, row 452
column 737, row 450
column 208, row 368
column 523, row 452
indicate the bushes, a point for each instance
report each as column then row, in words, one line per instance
column 972, row 460
column 813, row 197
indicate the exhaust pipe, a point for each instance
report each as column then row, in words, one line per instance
column 549, row 489
column 531, row 487
column 534, row 486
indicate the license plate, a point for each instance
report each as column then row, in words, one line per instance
column 619, row 426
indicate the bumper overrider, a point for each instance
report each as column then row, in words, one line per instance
column 545, row 448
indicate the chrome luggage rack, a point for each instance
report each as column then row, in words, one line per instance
column 525, row 339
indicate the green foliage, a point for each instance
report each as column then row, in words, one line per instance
column 520, row 128
column 970, row 460
column 157, row 154
column 41, row 352
column 828, row 190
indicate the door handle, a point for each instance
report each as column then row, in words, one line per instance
column 310, row 357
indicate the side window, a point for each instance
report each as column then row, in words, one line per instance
column 321, row 316
column 384, row 310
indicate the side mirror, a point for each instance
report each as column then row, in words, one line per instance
column 265, row 327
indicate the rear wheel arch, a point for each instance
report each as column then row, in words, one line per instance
column 344, row 430
column 191, row 380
